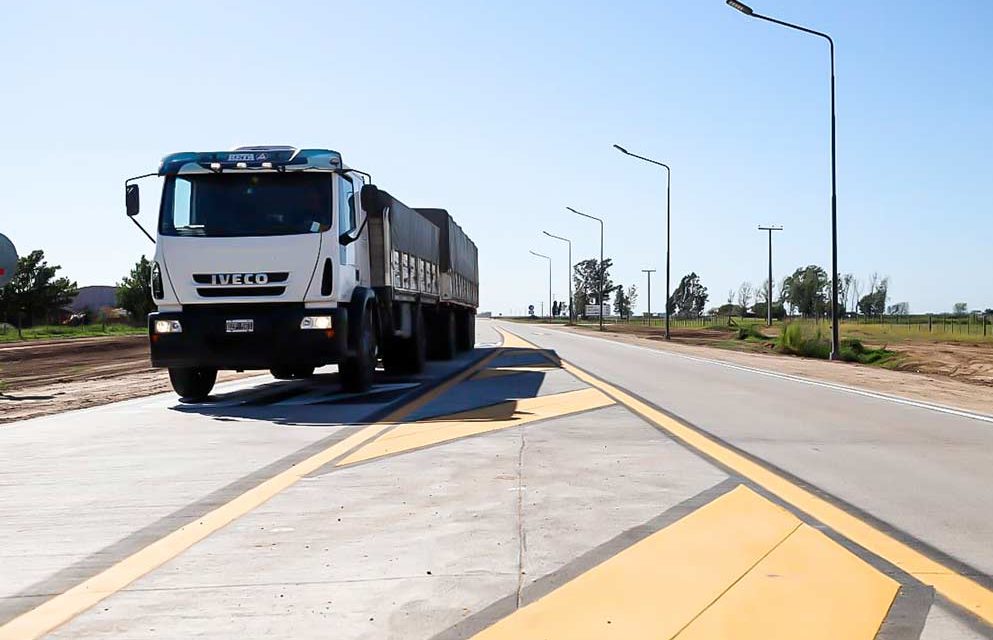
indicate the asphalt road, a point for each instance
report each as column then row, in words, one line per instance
column 546, row 485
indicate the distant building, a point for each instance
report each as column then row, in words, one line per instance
column 93, row 298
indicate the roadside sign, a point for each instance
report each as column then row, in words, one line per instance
column 593, row 310
column 8, row 260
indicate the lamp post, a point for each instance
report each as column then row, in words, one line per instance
column 768, row 300
column 600, row 297
column 541, row 255
column 668, row 226
column 649, row 273
column 569, row 274
column 835, row 343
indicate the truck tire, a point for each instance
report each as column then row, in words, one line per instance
column 466, row 330
column 471, row 328
column 444, row 335
column 357, row 369
column 291, row 373
column 193, row 384
column 408, row 355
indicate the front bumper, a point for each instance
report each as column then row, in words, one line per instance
column 276, row 341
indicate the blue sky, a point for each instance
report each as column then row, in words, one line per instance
column 505, row 113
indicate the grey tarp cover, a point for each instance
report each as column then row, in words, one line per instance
column 458, row 252
column 411, row 232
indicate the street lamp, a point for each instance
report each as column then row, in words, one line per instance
column 768, row 300
column 668, row 226
column 569, row 274
column 649, row 273
column 835, row 343
column 600, row 297
column 541, row 255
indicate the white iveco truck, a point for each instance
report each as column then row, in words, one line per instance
column 286, row 259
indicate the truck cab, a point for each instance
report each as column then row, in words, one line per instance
column 265, row 259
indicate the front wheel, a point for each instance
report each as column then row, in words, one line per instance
column 193, row 384
column 357, row 370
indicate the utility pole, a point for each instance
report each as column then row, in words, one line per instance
column 768, row 300
column 649, row 273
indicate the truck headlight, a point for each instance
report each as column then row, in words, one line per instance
column 168, row 326
column 316, row 322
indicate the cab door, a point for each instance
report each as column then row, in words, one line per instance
column 348, row 273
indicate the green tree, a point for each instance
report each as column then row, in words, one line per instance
column 586, row 282
column 807, row 290
column 623, row 301
column 874, row 302
column 35, row 294
column 778, row 312
column 134, row 291
column 960, row 308
column 745, row 292
column 689, row 298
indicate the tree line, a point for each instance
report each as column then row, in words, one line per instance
column 806, row 292
column 688, row 300
column 37, row 294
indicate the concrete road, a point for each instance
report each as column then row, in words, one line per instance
column 545, row 485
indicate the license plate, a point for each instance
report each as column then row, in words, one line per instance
column 240, row 326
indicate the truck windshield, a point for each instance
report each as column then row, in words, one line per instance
column 260, row 204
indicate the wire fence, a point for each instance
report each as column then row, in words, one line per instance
column 973, row 326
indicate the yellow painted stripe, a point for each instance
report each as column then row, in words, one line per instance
column 808, row 587
column 513, row 413
column 959, row 589
column 497, row 372
column 512, row 341
column 657, row 586
column 61, row 608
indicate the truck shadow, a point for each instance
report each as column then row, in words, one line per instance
column 511, row 374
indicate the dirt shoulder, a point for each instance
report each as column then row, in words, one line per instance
column 45, row 377
column 943, row 384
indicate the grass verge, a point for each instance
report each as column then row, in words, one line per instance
column 801, row 340
column 58, row 332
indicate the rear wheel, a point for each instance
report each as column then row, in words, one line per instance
column 193, row 384
column 408, row 355
column 291, row 373
column 357, row 370
column 443, row 333
column 466, row 330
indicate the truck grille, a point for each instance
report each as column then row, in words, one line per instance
column 239, row 292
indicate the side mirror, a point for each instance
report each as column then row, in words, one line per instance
column 132, row 200
column 347, row 238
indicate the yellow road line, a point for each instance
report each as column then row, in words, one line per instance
column 498, row 372
column 512, row 341
column 657, row 586
column 808, row 587
column 954, row 586
column 64, row 607
column 513, row 413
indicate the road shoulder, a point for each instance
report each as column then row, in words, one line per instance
column 915, row 387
